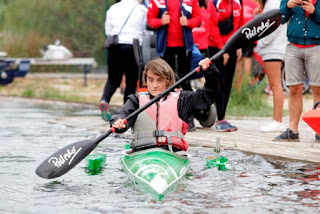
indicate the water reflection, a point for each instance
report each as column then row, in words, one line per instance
column 255, row 185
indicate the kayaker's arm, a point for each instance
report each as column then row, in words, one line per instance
column 191, row 102
column 130, row 106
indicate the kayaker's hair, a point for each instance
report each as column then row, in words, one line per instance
column 160, row 68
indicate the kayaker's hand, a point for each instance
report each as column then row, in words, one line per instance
column 119, row 124
column 207, row 67
column 205, row 64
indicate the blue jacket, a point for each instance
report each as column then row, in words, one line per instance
column 162, row 32
column 301, row 30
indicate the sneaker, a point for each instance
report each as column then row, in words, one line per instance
column 104, row 108
column 232, row 127
column 222, row 126
column 317, row 140
column 191, row 125
column 268, row 91
column 273, row 126
column 287, row 136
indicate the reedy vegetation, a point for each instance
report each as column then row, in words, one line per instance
column 27, row 24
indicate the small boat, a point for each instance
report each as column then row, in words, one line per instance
column 156, row 171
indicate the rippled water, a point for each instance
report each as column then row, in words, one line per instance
column 259, row 185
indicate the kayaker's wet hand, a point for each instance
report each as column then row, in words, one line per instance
column 119, row 124
column 207, row 67
column 205, row 64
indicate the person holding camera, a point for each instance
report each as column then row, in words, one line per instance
column 302, row 56
column 226, row 17
column 125, row 21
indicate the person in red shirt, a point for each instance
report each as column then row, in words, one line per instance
column 200, row 34
column 226, row 17
column 174, row 21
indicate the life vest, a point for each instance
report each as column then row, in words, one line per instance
column 159, row 124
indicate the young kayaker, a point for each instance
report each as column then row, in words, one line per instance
column 164, row 123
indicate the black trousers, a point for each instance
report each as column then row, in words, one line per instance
column 183, row 65
column 121, row 61
column 225, row 83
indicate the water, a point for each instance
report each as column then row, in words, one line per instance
column 256, row 185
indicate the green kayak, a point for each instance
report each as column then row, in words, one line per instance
column 156, row 171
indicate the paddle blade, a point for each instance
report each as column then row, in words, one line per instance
column 65, row 159
column 259, row 27
column 312, row 118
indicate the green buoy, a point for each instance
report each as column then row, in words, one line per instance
column 218, row 161
column 95, row 162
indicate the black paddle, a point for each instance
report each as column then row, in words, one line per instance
column 66, row 158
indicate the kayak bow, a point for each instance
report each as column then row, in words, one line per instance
column 156, row 171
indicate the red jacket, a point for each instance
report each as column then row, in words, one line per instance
column 175, row 37
column 248, row 8
column 200, row 34
column 220, row 10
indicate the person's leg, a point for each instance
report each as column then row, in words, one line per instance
column 222, row 82
column 273, row 71
column 114, row 74
column 312, row 68
column 316, row 98
column 316, row 93
column 131, row 71
column 230, row 70
column 220, row 124
column 294, row 70
column 184, row 66
column 113, row 82
column 239, row 69
column 244, row 66
column 247, row 66
column 170, row 57
column 295, row 106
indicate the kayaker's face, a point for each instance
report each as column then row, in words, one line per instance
column 155, row 83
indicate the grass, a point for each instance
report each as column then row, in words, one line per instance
column 250, row 100
column 28, row 92
column 67, row 90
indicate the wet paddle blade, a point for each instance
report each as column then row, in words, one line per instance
column 65, row 159
column 312, row 118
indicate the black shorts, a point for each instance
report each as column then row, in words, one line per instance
column 273, row 60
